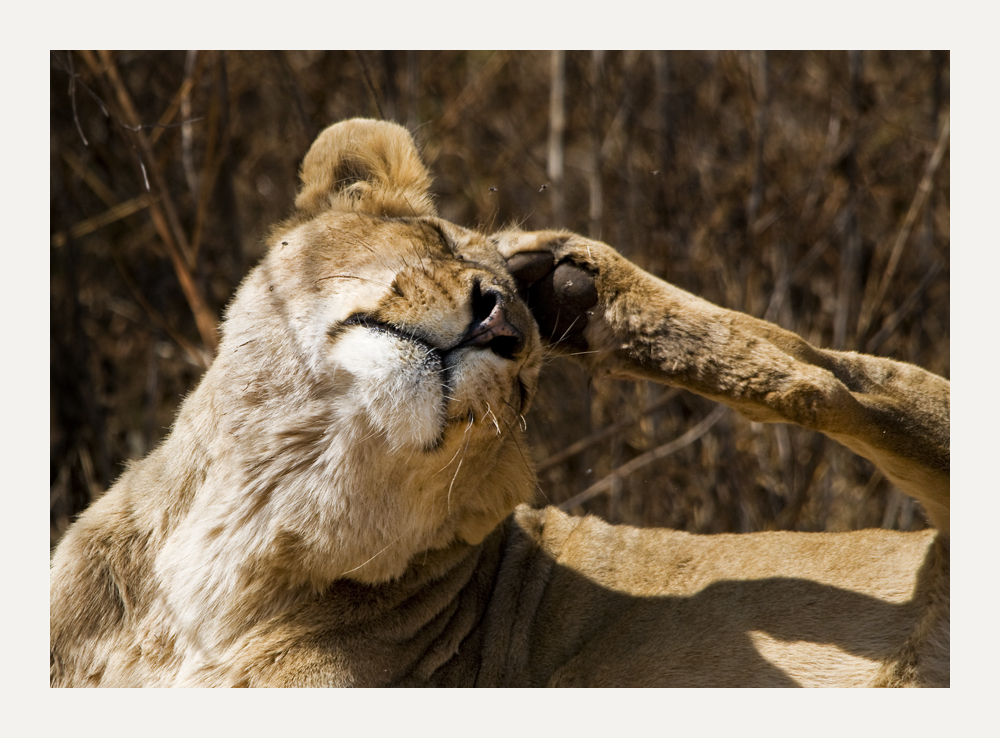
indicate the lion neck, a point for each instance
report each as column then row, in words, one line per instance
column 295, row 499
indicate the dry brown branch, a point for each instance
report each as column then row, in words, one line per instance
column 215, row 152
column 91, row 179
column 474, row 91
column 800, row 272
column 130, row 119
column 847, row 286
column 93, row 486
column 72, row 97
column 165, row 122
column 557, row 128
column 116, row 213
column 596, row 192
column 822, row 171
column 607, row 431
column 898, row 509
column 162, row 210
column 187, row 134
column 897, row 317
column 198, row 358
column 391, row 89
column 647, row 458
column 369, row 84
column 661, row 106
column 916, row 205
column 412, row 86
column 759, row 80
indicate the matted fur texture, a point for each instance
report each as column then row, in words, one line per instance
column 341, row 500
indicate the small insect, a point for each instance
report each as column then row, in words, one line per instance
column 542, row 187
column 493, row 189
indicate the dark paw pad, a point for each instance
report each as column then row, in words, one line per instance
column 558, row 298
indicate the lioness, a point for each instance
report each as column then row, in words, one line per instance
column 341, row 500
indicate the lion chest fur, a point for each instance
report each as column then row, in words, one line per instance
column 554, row 600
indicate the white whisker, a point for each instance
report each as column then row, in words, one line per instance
column 457, row 452
column 464, row 449
column 568, row 329
column 391, row 543
column 489, row 412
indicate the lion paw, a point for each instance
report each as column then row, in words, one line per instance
column 559, row 294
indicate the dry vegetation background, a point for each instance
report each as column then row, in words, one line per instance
column 811, row 189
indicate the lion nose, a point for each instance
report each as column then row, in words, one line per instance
column 489, row 327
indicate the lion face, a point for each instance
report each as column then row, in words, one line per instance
column 415, row 361
column 414, row 323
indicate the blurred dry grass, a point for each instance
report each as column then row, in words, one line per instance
column 800, row 187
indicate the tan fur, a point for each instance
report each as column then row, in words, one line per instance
column 340, row 501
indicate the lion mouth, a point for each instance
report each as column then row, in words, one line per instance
column 446, row 370
column 367, row 321
column 488, row 330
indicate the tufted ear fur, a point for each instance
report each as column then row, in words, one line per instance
column 365, row 165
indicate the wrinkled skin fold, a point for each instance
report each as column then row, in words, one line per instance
column 342, row 501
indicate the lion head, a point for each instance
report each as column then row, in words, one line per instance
column 366, row 403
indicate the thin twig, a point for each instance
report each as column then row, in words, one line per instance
column 456, row 113
column 557, row 127
column 116, row 213
column 72, row 97
column 596, row 191
column 371, row 87
column 94, row 182
column 784, row 283
column 647, row 458
column 196, row 356
column 599, row 435
column 850, row 257
column 165, row 123
column 893, row 321
column 820, row 175
column 162, row 211
column 215, row 151
column 157, row 127
column 71, row 70
column 664, row 129
column 919, row 198
column 131, row 122
column 187, row 134
column 756, row 197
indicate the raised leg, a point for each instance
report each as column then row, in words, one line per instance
column 593, row 304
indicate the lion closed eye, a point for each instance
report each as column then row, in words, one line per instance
column 342, row 500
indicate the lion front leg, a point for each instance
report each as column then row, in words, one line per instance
column 593, row 304
column 618, row 320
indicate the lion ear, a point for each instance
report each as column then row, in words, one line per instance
column 366, row 165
